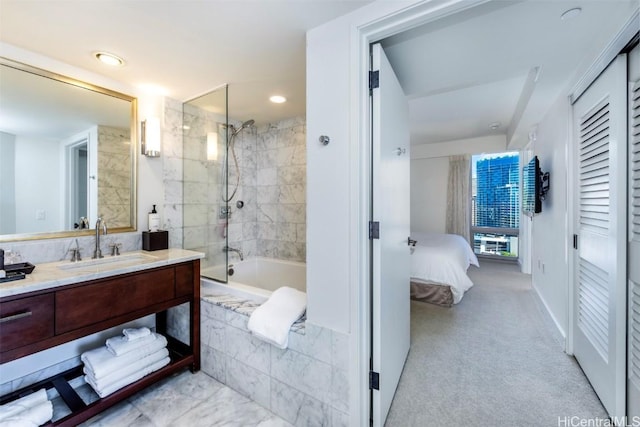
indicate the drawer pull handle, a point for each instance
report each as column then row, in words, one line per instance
column 15, row 317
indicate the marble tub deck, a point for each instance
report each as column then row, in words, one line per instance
column 246, row 308
column 184, row 399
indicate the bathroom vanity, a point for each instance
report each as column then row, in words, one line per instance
column 61, row 302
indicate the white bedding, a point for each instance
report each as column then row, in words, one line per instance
column 443, row 259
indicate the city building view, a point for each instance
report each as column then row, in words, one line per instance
column 495, row 204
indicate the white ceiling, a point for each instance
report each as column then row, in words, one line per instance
column 467, row 71
column 185, row 48
column 460, row 73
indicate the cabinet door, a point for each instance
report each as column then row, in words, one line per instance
column 25, row 321
column 184, row 279
column 101, row 300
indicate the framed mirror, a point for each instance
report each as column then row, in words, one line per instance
column 67, row 155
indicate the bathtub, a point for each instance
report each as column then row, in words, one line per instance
column 255, row 278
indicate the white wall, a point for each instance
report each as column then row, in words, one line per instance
column 430, row 174
column 37, row 172
column 549, row 256
column 7, row 189
column 429, row 178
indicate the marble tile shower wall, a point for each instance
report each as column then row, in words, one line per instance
column 114, row 175
column 272, row 222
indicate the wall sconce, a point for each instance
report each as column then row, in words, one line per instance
column 212, row 146
column 150, row 137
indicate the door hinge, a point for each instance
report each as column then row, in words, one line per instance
column 374, row 230
column 374, row 79
column 374, row 380
column 575, row 241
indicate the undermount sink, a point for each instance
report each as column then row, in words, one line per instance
column 112, row 261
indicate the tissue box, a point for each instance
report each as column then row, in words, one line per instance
column 155, row 240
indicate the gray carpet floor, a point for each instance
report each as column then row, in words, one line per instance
column 491, row 360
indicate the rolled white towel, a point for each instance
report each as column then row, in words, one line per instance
column 32, row 417
column 132, row 334
column 128, row 370
column 273, row 319
column 120, row 345
column 102, row 363
column 103, row 392
column 24, row 403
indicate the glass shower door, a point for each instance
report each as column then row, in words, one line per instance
column 205, row 178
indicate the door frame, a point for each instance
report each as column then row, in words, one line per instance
column 378, row 28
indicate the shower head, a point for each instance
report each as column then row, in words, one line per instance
column 244, row 125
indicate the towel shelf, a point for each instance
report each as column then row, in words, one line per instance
column 74, row 311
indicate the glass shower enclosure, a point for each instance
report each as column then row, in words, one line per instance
column 206, row 213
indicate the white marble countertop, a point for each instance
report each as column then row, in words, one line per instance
column 54, row 274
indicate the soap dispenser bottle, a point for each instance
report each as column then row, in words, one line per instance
column 154, row 220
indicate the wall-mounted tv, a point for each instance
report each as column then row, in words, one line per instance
column 535, row 185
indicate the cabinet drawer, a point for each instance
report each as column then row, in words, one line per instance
column 26, row 321
column 105, row 299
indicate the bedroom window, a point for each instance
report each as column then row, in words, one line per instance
column 495, row 204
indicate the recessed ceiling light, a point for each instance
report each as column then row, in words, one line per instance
column 494, row 125
column 109, row 59
column 571, row 13
column 277, row 99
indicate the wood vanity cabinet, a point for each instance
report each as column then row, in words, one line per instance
column 40, row 320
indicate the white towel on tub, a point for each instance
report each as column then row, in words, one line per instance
column 273, row 319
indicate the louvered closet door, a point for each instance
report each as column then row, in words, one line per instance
column 599, row 325
column 633, row 363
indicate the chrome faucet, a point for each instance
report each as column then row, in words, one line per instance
column 97, row 253
column 228, row 248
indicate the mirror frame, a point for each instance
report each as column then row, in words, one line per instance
column 134, row 153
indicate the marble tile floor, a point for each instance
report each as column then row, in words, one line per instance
column 184, row 399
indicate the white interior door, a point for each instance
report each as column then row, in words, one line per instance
column 599, row 323
column 390, row 253
column 633, row 346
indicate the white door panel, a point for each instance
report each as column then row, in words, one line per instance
column 633, row 345
column 600, row 288
column 390, row 253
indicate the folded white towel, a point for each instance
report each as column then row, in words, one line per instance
column 128, row 370
column 102, row 363
column 103, row 392
column 24, row 403
column 32, row 417
column 132, row 334
column 273, row 319
column 120, row 345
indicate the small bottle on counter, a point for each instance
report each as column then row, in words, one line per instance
column 154, row 220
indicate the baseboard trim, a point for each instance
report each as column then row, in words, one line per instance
column 560, row 334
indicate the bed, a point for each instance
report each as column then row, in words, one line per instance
column 439, row 264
